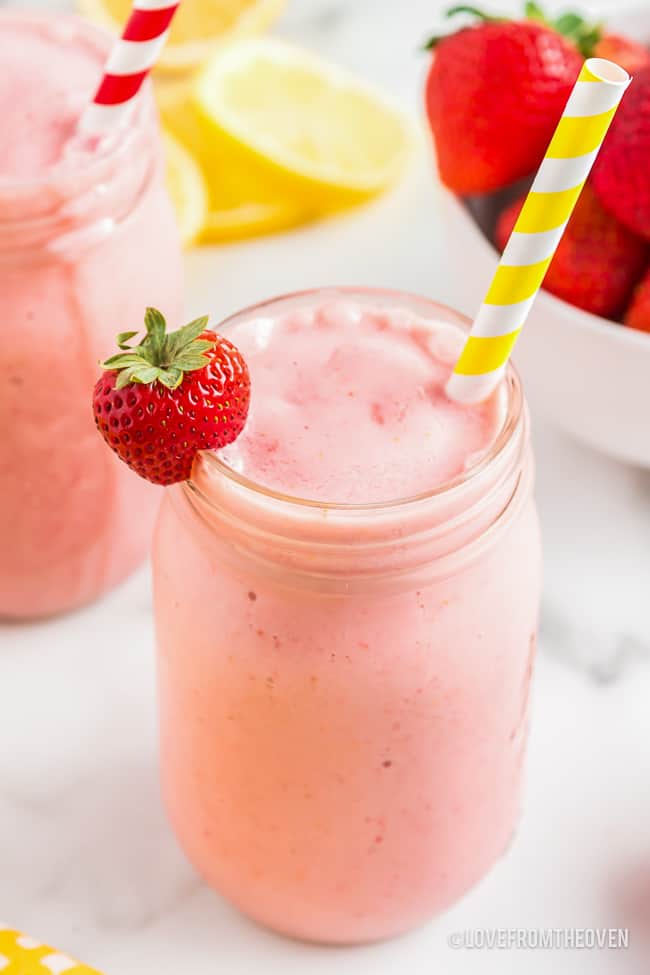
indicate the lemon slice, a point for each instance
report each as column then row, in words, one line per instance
column 305, row 129
column 249, row 220
column 186, row 188
column 197, row 25
column 241, row 202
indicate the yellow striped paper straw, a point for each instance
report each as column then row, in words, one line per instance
column 22, row 955
column 541, row 223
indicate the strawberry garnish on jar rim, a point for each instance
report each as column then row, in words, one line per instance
column 160, row 402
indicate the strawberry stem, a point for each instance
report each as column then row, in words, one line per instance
column 160, row 357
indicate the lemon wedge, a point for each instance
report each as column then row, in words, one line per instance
column 240, row 202
column 186, row 188
column 197, row 25
column 275, row 117
column 248, row 220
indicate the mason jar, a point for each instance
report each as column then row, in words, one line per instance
column 83, row 250
column 344, row 687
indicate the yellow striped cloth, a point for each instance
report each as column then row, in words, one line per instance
column 21, row 955
column 541, row 223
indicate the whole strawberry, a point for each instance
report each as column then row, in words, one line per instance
column 621, row 174
column 638, row 312
column 597, row 262
column 162, row 401
column 494, row 94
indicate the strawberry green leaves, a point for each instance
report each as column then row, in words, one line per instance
column 160, row 357
column 584, row 34
column 581, row 32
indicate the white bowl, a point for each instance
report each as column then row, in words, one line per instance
column 591, row 377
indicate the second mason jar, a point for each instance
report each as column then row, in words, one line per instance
column 344, row 671
column 87, row 241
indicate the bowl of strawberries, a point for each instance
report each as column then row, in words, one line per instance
column 495, row 91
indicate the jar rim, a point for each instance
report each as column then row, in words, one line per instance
column 514, row 415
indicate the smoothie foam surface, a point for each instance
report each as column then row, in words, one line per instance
column 348, row 404
column 49, row 70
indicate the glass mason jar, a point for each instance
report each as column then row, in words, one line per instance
column 344, row 688
column 83, row 251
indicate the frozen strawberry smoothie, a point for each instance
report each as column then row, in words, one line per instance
column 342, row 393
column 346, row 605
column 87, row 240
column 49, row 71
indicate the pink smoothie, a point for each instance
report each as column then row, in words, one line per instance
column 87, row 240
column 49, row 72
column 349, row 406
column 344, row 689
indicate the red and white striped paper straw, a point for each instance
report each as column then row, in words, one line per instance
column 129, row 63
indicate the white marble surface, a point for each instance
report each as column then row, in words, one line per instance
column 86, row 859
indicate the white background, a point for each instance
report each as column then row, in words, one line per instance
column 87, row 862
